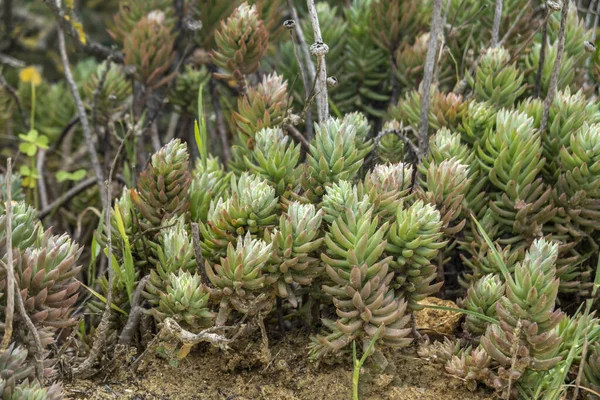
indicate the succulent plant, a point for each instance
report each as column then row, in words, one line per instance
column 472, row 367
column 25, row 227
column 568, row 113
column 399, row 21
column 241, row 43
column 365, row 75
column 162, row 190
column 387, row 187
column 252, row 207
column 208, row 183
column 482, row 298
column 14, row 369
column 479, row 119
column 149, row 48
column 441, row 352
column 526, row 337
column 591, row 368
column 577, row 187
column 46, row 274
column 567, row 67
column 263, row 106
column 296, row 243
column 31, row 391
column 414, row 240
column 174, row 252
column 409, row 61
column 512, row 156
column 391, row 149
column 336, row 153
column 445, row 187
column 239, row 279
column 131, row 12
column 185, row 299
column 275, row 158
column 496, row 80
column 111, row 98
column 184, row 92
column 359, row 284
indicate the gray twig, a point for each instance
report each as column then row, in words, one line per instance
column 321, row 74
column 10, row 269
column 41, row 183
column 298, row 136
column 85, row 125
column 496, row 26
column 74, row 191
column 556, row 70
column 13, row 93
column 134, row 315
column 11, row 61
column 436, row 26
column 93, row 48
column 307, row 68
column 39, row 365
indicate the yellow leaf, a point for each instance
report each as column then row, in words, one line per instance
column 30, row 74
column 184, row 351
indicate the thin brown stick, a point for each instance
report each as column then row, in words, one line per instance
column 65, row 198
column 299, row 137
column 436, row 26
column 13, row 93
column 133, row 320
column 496, row 26
column 39, row 365
column 321, row 73
column 85, row 125
column 557, row 64
column 10, row 269
column 92, row 48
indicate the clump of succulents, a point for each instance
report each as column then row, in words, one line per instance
column 239, row 280
column 149, row 49
column 525, row 340
column 162, row 189
column 251, row 208
column 241, row 43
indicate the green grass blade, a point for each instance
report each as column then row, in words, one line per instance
column 103, row 299
column 495, row 254
column 462, row 311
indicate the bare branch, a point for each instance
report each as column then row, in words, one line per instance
column 95, row 49
column 74, row 191
column 134, row 315
column 436, row 26
column 496, row 26
column 87, row 133
column 39, row 365
column 557, row 64
column 13, row 93
column 319, row 49
column 298, row 136
column 10, row 269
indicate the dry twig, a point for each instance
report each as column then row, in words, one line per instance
column 319, row 49
column 87, row 133
column 10, row 269
column 436, row 27
column 496, row 26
